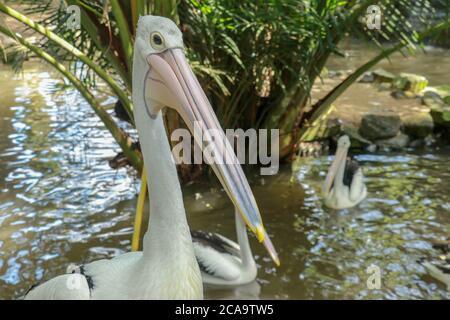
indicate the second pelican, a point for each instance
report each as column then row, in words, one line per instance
column 344, row 185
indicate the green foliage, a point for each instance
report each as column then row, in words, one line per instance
column 257, row 60
column 260, row 46
column 262, row 57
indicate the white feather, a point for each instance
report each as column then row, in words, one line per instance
column 218, row 264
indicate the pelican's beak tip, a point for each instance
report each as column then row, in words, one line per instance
column 278, row 262
column 276, row 259
column 269, row 246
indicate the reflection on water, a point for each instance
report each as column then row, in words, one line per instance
column 59, row 200
column 60, row 203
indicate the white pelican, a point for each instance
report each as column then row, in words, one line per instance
column 439, row 268
column 344, row 185
column 224, row 262
column 167, row 268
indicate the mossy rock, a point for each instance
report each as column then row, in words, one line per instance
column 381, row 75
column 400, row 141
column 447, row 100
column 432, row 100
column 442, row 91
column 410, row 82
column 418, row 124
column 441, row 115
column 367, row 77
column 325, row 73
column 399, row 94
column 385, row 86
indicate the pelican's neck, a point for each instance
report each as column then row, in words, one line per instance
column 242, row 237
column 168, row 235
column 339, row 177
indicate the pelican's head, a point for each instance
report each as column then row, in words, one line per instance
column 155, row 35
column 343, row 142
column 169, row 81
column 338, row 163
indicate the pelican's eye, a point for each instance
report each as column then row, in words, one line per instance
column 157, row 41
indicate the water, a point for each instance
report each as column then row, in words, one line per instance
column 61, row 203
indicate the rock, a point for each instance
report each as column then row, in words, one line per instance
column 439, row 110
column 425, row 142
column 439, row 91
column 409, row 94
column 324, row 73
column 410, row 82
column 381, row 75
column 339, row 74
column 355, row 137
column 367, row 77
column 400, row 141
column 430, row 140
column 371, row 148
column 384, row 86
column 331, row 74
column 441, row 115
column 418, row 125
column 417, row 143
column 443, row 91
column 380, row 126
column 431, row 92
column 432, row 99
column 447, row 100
column 398, row 94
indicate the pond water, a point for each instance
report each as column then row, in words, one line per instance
column 61, row 203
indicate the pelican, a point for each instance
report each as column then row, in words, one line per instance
column 166, row 268
column 439, row 268
column 224, row 262
column 344, row 185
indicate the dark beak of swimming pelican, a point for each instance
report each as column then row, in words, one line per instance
column 339, row 160
column 171, row 82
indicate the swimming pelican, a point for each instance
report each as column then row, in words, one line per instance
column 224, row 262
column 344, row 185
column 167, row 268
column 439, row 268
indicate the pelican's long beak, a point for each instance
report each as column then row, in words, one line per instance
column 339, row 158
column 171, row 82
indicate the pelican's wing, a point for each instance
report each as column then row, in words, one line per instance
column 351, row 167
column 357, row 185
column 215, row 255
column 217, row 242
column 73, row 286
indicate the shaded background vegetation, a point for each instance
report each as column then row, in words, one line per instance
column 257, row 60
